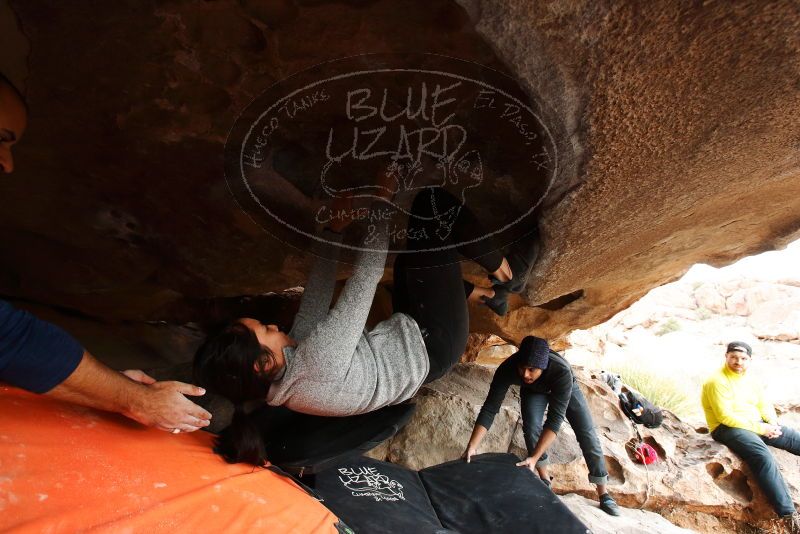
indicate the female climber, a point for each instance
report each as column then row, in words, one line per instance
column 328, row 364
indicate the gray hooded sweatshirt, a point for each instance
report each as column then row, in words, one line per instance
column 338, row 368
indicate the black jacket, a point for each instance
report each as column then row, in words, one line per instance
column 556, row 382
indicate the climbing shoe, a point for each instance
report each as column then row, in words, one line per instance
column 499, row 302
column 521, row 260
column 609, row 505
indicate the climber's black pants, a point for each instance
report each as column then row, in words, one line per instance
column 427, row 279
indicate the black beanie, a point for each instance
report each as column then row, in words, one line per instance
column 534, row 352
column 740, row 346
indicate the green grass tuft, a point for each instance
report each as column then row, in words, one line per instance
column 704, row 314
column 670, row 325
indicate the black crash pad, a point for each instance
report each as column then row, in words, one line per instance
column 374, row 496
column 488, row 495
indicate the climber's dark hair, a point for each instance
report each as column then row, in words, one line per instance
column 226, row 364
column 241, row 441
column 5, row 81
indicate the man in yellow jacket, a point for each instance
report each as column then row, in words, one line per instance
column 739, row 416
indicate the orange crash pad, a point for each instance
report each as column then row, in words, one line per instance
column 65, row 468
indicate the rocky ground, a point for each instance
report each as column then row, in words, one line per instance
column 698, row 484
column 631, row 522
column 677, row 333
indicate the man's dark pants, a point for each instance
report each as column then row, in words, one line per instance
column 752, row 448
column 579, row 417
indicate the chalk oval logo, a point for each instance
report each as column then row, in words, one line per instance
column 368, row 482
column 437, row 152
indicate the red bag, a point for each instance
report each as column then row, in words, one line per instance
column 646, row 454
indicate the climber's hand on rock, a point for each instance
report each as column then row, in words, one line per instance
column 388, row 183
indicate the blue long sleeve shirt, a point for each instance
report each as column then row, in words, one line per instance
column 34, row 354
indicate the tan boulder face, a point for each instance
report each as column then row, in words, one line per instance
column 675, row 127
column 736, row 304
column 133, row 218
column 446, row 412
column 698, row 483
column 778, row 320
column 486, row 349
column 708, row 296
column 747, row 300
column 664, row 174
column 631, row 521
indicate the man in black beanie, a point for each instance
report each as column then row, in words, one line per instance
column 546, row 382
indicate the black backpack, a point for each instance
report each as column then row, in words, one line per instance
column 640, row 410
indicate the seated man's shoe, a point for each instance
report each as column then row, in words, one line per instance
column 792, row 523
column 499, row 302
column 609, row 505
column 521, row 259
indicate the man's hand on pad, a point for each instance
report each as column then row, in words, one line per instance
column 164, row 405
